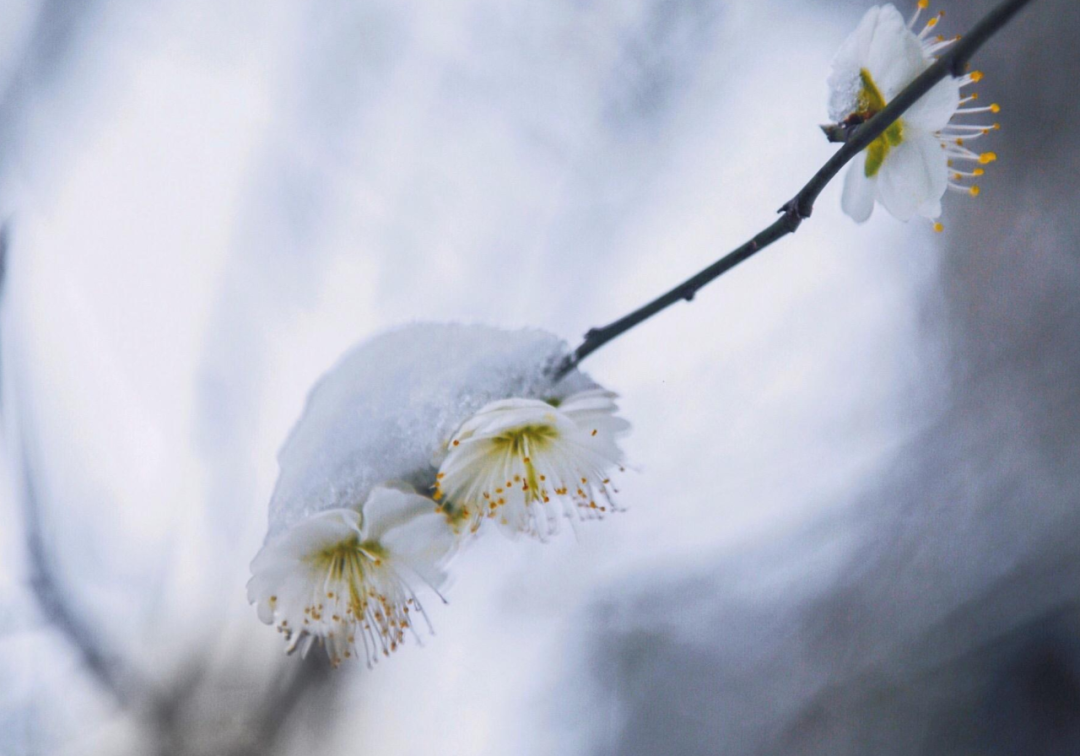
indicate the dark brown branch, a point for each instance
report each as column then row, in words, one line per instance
column 799, row 207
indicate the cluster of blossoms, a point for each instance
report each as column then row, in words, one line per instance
column 923, row 154
column 417, row 439
column 344, row 575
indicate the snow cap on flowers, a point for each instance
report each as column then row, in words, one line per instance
column 911, row 165
column 384, row 411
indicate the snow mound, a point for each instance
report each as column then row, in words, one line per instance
column 387, row 409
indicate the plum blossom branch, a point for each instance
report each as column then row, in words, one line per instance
column 799, row 207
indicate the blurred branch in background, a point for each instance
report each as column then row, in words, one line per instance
column 797, row 209
column 164, row 711
column 59, row 609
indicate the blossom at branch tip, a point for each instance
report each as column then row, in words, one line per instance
column 343, row 576
column 516, row 460
column 910, row 166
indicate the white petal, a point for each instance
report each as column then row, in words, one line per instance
column 895, row 55
column 858, row 198
column 595, row 410
column 934, row 109
column 914, row 173
column 424, row 544
column 504, row 415
column 593, row 399
column 389, row 508
column 930, row 209
column 309, row 535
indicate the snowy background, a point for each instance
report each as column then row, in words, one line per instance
column 851, row 520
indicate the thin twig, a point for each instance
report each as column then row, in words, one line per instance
column 799, row 207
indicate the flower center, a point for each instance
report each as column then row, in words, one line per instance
column 524, row 440
column 344, row 562
column 870, row 104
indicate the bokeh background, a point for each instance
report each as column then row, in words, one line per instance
column 852, row 519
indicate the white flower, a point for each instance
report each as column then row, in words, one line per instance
column 340, row 574
column 515, row 457
column 909, row 167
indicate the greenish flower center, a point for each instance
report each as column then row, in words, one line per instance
column 346, row 562
column 524, row 440
column 870, row 104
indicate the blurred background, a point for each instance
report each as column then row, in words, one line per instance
column 852, row 517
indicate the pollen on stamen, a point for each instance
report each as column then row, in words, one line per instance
column 931, row 24
column 919, row 8
column 974, row 190
column 995, row 108
column 938, row 227
column 987, row 157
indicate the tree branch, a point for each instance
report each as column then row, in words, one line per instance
column 799, row 207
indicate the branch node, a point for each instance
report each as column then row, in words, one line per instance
column 794, row 215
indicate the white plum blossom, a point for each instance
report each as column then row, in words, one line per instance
column 911, row 165
column 516, row 458
column 342, row 576
column 344, row 548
